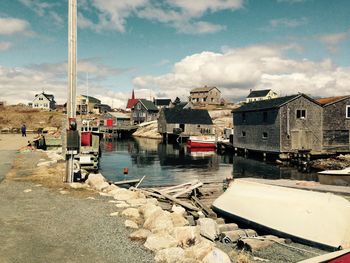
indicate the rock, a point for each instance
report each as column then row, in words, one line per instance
column 227, row 227
column 179, row 210
column 208, row 228
column 148, row 209
column 156, row 242
column 220, row 221
column 186, row 236
column 131, row 213
column 63, row 192
column 200, row 214
column 170, row 255
column 103, row 194
column 140, row 234
column 190, row 220
column 110, row 188
column 200, row 250
column 95, row 180
column 159, row 221
column 78, row 185
column 124, row 205
column 112, row 201
column 178, row 220
column 123, row 195
column 90, row 198
column 216, row 256
column 136, row 202
column 153, row 201
column 27, row 190
column 114, row 214
column 130, row 224
column 102, row 186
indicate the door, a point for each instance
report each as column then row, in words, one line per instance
column 301, row 140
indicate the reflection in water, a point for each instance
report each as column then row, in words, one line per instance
column 167, row 164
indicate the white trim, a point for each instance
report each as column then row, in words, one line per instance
column 346, row 112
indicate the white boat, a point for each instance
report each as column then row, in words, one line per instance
column 318, row 219
column 345, row 171
column 204, row 141
column 341, row 256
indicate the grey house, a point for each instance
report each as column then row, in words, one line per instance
column 336, row 123
column 185, row 121
column 279, row 125
column 143, row 111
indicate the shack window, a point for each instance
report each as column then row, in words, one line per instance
column 244, row 117
column 243, row 133
column 348, row 111
column 265, row 116
column 301, row 114
column 264, row 135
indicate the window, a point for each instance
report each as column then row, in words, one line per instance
column 204, row 99
column 265, row 116
column 301, row 114
column 264, row 135
column 243, row 133
column 198, row 126
column 40, row 98
column 348, row 111
column 138, row 106
column 244, row 117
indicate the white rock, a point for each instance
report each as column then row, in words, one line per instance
column 140, row 234
column 130, row 224
column 63, row 192
column 170, row 255
column 200, row 250
column 178, row 219
column 27, row 190
column 114, row 214
column 101, row 186
column 131, row 213
column 159, row 241
column 216, row 256
column 153, row 201
column 123, row 195
column 208, row 228
column 103, row 194
column 148, row 209
column 110, row 188
column 90, row 198
column 200, row 214
column 124, row 205
column 112, row 201
column 178, row 209
column 77, row 185
column 186, row 236
column 159, row 221
column 136, row 202
column 94, row 180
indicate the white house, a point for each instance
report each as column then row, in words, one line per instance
column 256, row 95
column 44, row 101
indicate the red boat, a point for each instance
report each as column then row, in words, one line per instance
column 201, row 142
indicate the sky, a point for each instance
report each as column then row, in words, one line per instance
column 163, row 49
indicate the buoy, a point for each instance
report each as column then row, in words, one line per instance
column 126, row 170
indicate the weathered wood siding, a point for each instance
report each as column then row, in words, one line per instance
column 301, row 133
column 254, row 126
column 336, row 126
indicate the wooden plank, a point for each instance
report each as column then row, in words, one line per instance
column 140, row 181
column 178, row 186
column 133, row 181
column 205, row 208
column 187, row 190
column 182, row 203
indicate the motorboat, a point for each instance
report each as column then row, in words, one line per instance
column 205, row 141
column 313, row 218
column 345, row 171
column 335, row 177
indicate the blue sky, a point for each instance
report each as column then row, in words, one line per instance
column 166, row 48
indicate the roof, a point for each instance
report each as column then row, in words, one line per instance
column 204, row 89
column 131, row 103
column 162, row 102
column 180, row 105
column 91, row 99
column 331, row 100
column 120, row 115
column 258, row 93
column 187, row 116
column 149, row 105
column 267, row 104
column 50, row 97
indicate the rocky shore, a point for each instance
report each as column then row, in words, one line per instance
column 334, row 163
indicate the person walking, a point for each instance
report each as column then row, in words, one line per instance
column 24, row 130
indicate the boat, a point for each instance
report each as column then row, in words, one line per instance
column 335, row 177
column 201, row 151
column 312, row 218
column 205, row 141
column 341, row 256
column 345, row 172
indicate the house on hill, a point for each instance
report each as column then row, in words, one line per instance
column 162, row 103
column 44, row 101
column 143, row 111
column 336, row 123
column 173, row 121
column 279, row 125
column 256, row 95
column 205, row 95
column 86, row 104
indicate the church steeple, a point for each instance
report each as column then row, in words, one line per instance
column 133, row 95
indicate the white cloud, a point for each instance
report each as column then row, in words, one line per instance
column 9, row 25
column 182, row 15
column 5, row 46
column 332, row 40
column 286, row 22
column 235, row 71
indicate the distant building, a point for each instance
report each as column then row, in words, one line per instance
column 189, row 122
column 119, row 118
column 101, row 108
column 143, row 111
column 279, row 125
column 257, row 95
column 336, row 123
column 44, row 101
column 162, row 103
column 131, row 102
column 86, row 104
column 205, row 95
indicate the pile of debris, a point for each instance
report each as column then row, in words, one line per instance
column 335, row 163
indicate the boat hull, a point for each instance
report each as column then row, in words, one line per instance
column 201, row 144
column 317, row 219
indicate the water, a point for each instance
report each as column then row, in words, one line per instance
column 167, row 164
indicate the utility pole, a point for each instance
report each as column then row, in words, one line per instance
column 71, row 100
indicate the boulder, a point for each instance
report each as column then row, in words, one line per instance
column 140, row 234
column 153, row 201
column 159, row 221
column 131, row 213
column 110, row 188
column 130, row 224
column 216, row 256
column 148, row 209
column 114, row 214
column 186, row 236
column 200, row 250
column 156, row 242
column 170, row 255
column 122, row 205
column 78, row 185
column 95, row 180
column 179, row 210
column 227, row 227
column 208, row 228
column 102, row 186
column 178, row 220
column 123, row 195
column 136, row 202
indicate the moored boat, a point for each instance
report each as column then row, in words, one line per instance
column 345, row 172
column 319, row 219
column 205, row 141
